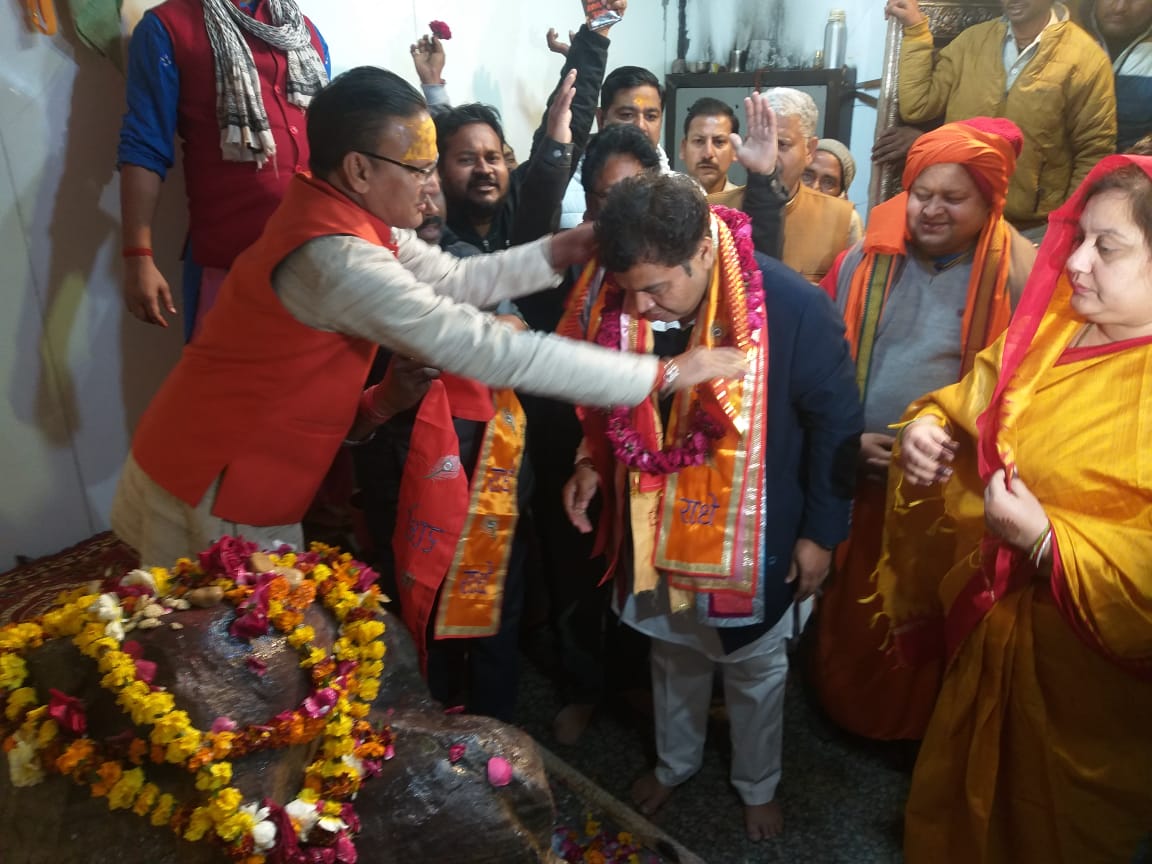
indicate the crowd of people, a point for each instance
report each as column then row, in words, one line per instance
column 691, row 412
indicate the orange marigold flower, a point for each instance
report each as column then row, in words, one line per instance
column 77, row 754
column 109, row 773
column 137, row 751
column 278, row 590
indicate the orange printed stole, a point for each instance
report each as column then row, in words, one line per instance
column 701, row 526
column 451, row 534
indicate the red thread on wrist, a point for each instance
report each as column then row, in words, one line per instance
column 136, row 252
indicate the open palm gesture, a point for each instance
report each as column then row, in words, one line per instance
column 757, row 152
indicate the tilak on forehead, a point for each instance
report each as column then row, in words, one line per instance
column 422, row 139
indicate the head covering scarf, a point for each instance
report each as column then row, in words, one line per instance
column 843, row 156
column 987, row 149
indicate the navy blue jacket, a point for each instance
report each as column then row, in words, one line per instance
column 813, row 435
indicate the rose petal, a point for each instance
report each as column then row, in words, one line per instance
column 499, row 771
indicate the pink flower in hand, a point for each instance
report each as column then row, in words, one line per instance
column 440, row 30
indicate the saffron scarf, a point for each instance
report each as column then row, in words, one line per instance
column 990, row 158
column 450, row 533
column 698, row 522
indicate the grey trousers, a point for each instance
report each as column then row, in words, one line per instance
column 754, row 679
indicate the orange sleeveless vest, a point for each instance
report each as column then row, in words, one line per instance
column 257, row 396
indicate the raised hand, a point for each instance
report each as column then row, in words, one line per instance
column 759, row 151
column 554, row 43
column 428, row 57
column 560, row 111
column 907, row 12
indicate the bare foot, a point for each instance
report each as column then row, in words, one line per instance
column 649, row 794
column 763, row 821
column 572, row 721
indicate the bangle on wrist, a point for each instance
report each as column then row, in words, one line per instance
column 1040, row 546
column 668, row 376
column 136, row 252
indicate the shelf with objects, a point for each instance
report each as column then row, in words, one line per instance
column 832, row 89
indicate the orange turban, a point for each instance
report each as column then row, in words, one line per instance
column 987, row 148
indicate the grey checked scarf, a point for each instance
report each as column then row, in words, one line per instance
column 244, row 131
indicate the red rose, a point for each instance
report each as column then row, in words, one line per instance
column 440, row 30
column 68, row 712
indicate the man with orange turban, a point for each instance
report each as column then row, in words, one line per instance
column 932, row 282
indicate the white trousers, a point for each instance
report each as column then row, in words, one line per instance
column 754, row 695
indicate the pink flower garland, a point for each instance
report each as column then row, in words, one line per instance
column 627, row 442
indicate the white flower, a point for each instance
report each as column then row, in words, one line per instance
column 355, row 762
column 304, row 814
column 263, row 832
column 115, row 629
column 142, row 578
column 24, row 762
column 108, row 608
column 333, row 823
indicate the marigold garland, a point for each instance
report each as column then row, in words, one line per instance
column 269, row 590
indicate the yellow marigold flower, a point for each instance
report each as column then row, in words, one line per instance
column 13, row 671
column 321, row 572
column 179, row 750
column 336, row 748
column 235, row 826
column 366, row 630
column 214, row 776
column 149, row 792
column 344, row 649
column 340, row 726
column 301, row 636
column 21, row 637
column 163, row 578
column 163, row 812
column 372, row 651
column 225, row 803
column 49, row 729
column 591, row 828
column 369, row 690
column 624, row 838
column 155, row 706
column 170, row 726
column 315, row 655
column 199, row 824
column 288, row 559
column 124, row 792
column 359, row 709
column 222, row 744
column 19, row 700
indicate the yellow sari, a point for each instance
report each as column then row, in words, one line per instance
column 1040, row 747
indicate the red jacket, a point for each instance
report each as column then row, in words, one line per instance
column 229, row 202
column 257, row 396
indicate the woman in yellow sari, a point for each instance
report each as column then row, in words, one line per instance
column 1019, row 547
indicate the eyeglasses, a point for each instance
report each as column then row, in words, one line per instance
column 425, row 173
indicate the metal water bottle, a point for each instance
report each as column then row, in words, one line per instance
column 835, row 40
